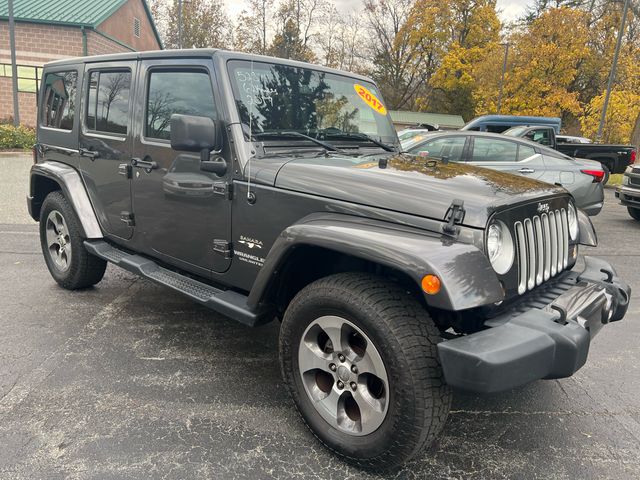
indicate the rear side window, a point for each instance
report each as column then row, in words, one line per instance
column 184, row 92
column 108, row 101
column 59, row 100
column 493, row 150
column 525, row 151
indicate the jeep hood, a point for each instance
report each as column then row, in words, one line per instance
column 407, row 184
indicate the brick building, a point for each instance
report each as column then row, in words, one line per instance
column 47, row 30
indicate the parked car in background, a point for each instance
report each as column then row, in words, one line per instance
column 629, row 191
column 614, row 158
column 500, row 123
column 583, row 178
column 412, row 132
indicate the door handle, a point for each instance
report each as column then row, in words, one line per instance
column 145, row 164
column 88, row 153
column 526, row 170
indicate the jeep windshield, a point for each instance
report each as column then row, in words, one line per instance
column 274, row 100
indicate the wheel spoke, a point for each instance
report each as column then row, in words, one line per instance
column 311, row 358
column 59, row 222
column 52, row 238
column 372, row 410
column 330, row 403
column 332, row 326
column 370, row 362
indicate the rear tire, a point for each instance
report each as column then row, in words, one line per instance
column 634, row 212
column 607, row 174
column 380, row 420
column 62, row 246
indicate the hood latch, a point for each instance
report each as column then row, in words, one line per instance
column 454, row 216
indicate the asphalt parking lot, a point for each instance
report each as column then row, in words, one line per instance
column 129, row 380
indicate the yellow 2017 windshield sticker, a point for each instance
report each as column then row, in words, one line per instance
column 370, row 99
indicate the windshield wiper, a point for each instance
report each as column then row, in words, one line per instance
column 363, row 136
column 325, row 145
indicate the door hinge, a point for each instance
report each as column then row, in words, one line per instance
column 128, row 218
column 223, row 247
column 125, row 170
column 224, row 189
column 453, row 217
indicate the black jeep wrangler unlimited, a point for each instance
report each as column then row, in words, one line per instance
column 265, row 188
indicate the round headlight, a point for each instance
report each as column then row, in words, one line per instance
column 574, row 229
column 500, row 247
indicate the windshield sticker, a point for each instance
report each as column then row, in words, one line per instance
column 370, row 99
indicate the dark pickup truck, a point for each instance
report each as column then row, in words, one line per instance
column 614, row 158
column 267, row 189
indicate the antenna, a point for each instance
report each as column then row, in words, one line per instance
column 250, row 197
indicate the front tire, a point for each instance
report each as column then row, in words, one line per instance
column 634, row 212
column 62, row 246
column 358, row 355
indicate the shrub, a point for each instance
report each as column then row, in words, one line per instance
column 17, row 137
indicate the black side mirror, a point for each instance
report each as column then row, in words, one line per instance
column 198, row 134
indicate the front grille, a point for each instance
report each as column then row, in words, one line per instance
column 634, row 181
column 542, row 248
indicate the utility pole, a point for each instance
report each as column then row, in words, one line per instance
column 612, row 74
column 14, row 66
column 504, row 70
column 179, row 23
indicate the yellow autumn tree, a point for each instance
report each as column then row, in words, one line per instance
column 545, row 61
column 458, row 37
column 624, row 108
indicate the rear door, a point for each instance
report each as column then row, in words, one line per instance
column 182, row 214
column 506, row 155
column 106, row 141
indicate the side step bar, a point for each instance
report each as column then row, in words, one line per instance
column 226, row 302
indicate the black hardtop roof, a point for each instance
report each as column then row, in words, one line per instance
column 197, row 53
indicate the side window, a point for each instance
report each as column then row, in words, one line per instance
column 108, row 101
column 525, row 151
column 169, row 92
column 58, row 100
column 448, row 147
column 493, row 150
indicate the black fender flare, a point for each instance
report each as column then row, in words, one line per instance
column 467, row 278
column 73, row 189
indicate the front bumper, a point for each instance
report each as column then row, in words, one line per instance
column 547, row 335
column 628, row 196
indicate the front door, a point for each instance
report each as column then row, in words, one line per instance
column 105, row 143
column 180, row 211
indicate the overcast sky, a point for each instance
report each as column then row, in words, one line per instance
column 509, row 9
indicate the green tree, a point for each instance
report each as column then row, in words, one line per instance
column 288, row 44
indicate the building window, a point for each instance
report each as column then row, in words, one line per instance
column 108, row 101
column 136, row 27
column 28, row 76
column 187, row 92
column 59, row 100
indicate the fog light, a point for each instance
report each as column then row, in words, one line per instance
column 430, row 284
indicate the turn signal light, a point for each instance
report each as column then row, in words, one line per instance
column 597, row 175
column 431, row 284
